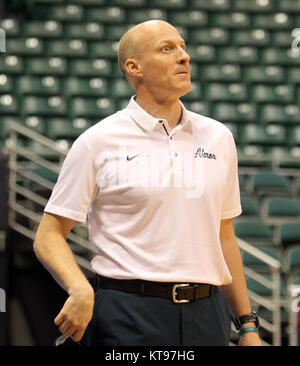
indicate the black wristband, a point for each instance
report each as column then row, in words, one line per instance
column 252, row 317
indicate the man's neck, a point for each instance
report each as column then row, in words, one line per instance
column 170, row 111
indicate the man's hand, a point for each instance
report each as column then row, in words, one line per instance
column 76, row 313
column 250, row 339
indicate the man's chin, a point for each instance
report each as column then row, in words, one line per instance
column 185, row 91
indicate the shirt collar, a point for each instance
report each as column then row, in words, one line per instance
column 148, row 122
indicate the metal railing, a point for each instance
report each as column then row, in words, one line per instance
column 273, row 303
column 23, row 199
column 24, row 216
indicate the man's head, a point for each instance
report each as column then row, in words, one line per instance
column 152, row 57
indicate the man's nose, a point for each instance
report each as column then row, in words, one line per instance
column 184, row 57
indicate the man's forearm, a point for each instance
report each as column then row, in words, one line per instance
column 54, row 253
column 236, row 292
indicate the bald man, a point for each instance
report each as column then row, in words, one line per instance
column 159, row 186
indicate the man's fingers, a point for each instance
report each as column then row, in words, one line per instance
column 77, row 336
column 59, row 319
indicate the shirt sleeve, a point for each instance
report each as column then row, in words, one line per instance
column 232, row 200
column 76, row 186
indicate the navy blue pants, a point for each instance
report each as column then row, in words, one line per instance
column 123, row 319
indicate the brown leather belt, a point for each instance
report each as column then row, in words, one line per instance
column 177, row 292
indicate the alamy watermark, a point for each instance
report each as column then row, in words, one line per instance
column 2, row 301
column 295, row 47
column 123, row 169
column 2, row 40
column 295, row 304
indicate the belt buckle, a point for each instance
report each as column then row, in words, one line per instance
column 174, row 293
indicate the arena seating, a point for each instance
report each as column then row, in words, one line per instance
column 59, row 76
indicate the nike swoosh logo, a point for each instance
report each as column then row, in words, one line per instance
column 132, row 157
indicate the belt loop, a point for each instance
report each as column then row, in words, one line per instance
column 142, row 288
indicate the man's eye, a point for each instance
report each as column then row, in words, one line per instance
column 166, row 48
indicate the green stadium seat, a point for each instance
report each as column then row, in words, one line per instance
column 86, row 86
column 253, row 156
column 263, row 93
column 46, row 85
column 34, row 123
column 230, row 20
column 138, row 16
column 263, row 290
column 202, row 53
column 6, row 84
column 294, row 136
column 281, row 208
column 264, row 74
column 287, row 114
column 289, row 159
column 282, row 39
column 46, row 106
column 293, row 74
column 30, row 46
column 43, row 29
column 60, row 128
column 121, row 89
column 253, row 37
column 243, row 183
column 272, row 21
column 129, row 3
column 293, row 259
column 234, row 92
column 253, row 6
column 262, row 135
column 5, row 125
column 11, row 27
column 289, row 233
column 238, row 55
column 225, row 73
column 233, row 112
column 195, row 94
column 45, row 1
column 279, row 56
column 46, row 66
column 256, row 264
column 67, row 48
column 210, row 5
column 289, row 6
column 250, row 206
column 210, row 36
column 169, row 4
column 189, row 18
column 270, row 183
column 116, row 31
column 92, row 107
column 11, row 64
column 64, row 12
column 8, row 104
column 86, row 31
column 103, row 50
column 89, row 2
column 254, row 231
column 200, row 107
column 106, row 15
column 91, row 68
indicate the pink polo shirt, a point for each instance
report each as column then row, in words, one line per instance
column 154, row 198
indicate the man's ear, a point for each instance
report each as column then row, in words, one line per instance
column 133, row 68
